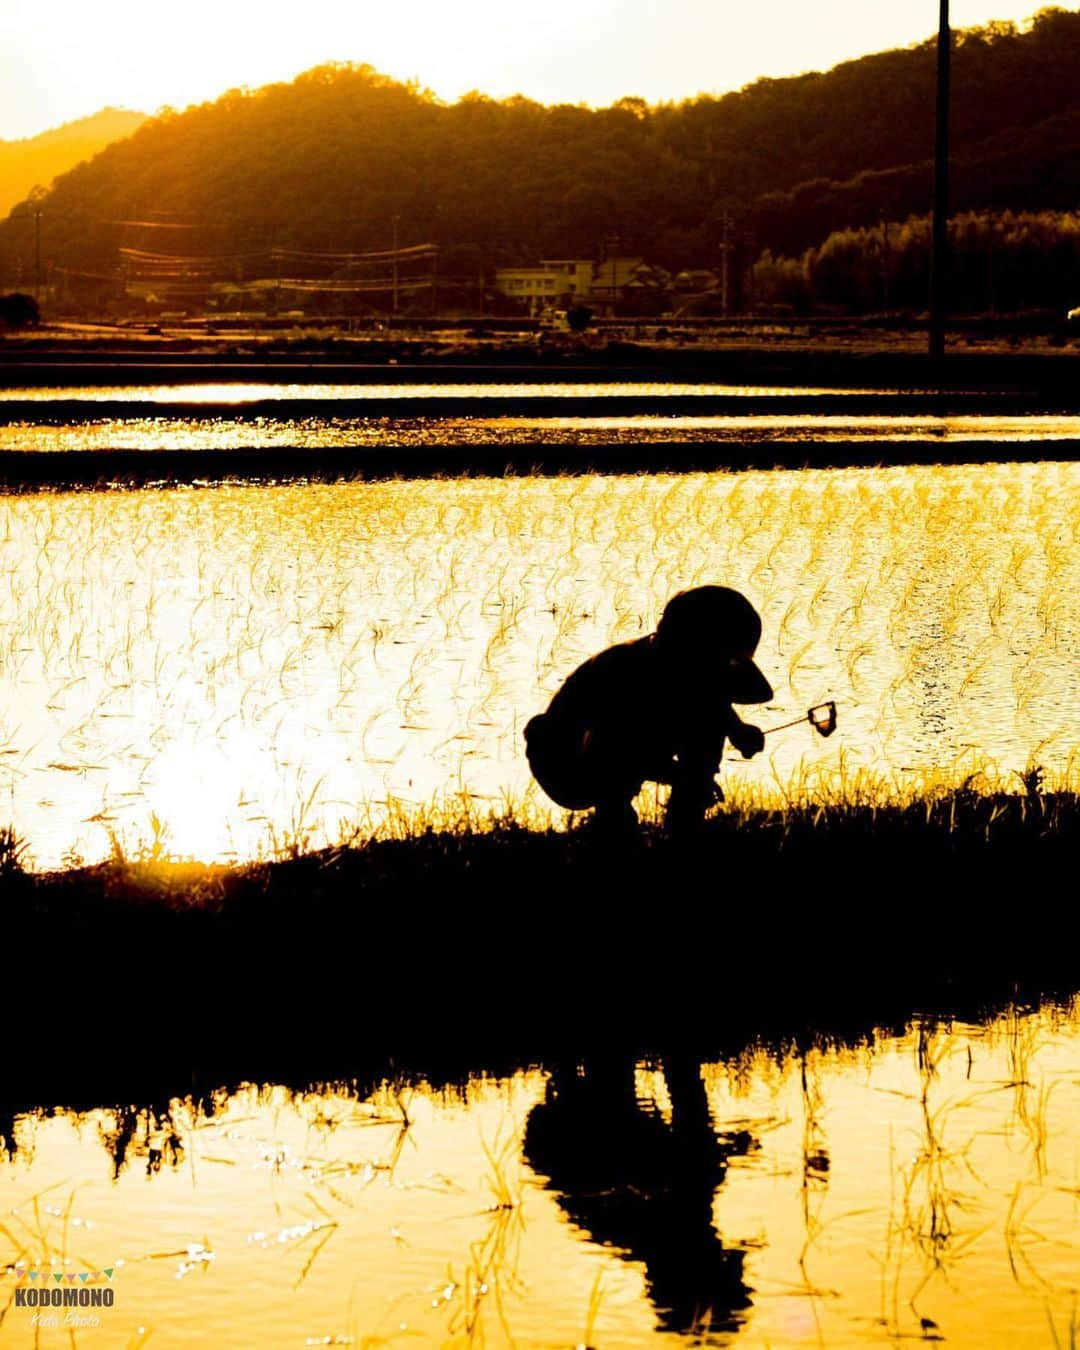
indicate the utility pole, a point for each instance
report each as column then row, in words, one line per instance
column 275, row 262
column 37, row 254
column 396, row 222
column 940, row 242
column 725, row 263
column 611, row 245
column 749, row 298
column 886, row 264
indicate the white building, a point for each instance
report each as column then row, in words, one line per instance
column 554, row 281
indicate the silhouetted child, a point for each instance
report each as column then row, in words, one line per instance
column 654, row 710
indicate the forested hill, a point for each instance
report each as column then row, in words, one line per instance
column 37, row 160
column 328, row 161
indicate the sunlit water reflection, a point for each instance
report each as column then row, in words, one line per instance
column 405, row 389
column 249, row 665
column 650, row 412
column 321, row 432
column 922, row 1186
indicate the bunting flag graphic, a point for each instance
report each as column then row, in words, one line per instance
column 21, row 1273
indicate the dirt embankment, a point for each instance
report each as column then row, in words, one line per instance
column 799, row 355
column 778, row 908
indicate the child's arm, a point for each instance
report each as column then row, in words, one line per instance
column 698, row 754
column 744, row 736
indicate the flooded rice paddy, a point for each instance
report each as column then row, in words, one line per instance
column 240, row 669
column 245, row 666
column 919, row 1186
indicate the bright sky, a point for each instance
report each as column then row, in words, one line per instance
column 62, row 59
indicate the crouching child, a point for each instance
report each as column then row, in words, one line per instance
column 657, row 709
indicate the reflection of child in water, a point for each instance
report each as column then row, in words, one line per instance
column 657, row 710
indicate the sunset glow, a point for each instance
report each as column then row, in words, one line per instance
column 123, row 53
column 539, row 615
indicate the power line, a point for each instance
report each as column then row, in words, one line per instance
column 169, row 224
column 386, row 287
column 417, row 251
column 142, row 255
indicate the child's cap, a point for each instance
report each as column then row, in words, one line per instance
column 718, row 622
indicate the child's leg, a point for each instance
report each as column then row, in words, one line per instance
column 615, row 816
column 687, row 806
column 558, row 763
column 693, row 791
column 616, row 780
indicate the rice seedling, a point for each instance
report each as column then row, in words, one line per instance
column 503, row 1179
column 592, row 1312
column 490, row 1276
column 1071, row 1330
column 14, row 853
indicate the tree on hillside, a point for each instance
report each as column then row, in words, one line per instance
column 1001, row 263
column 18, row 310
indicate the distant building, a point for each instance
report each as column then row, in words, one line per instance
column 628, row 282
column 694, row 280
column 623, row 282
column 555, row 280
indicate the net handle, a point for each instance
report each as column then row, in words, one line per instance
column 807, row 716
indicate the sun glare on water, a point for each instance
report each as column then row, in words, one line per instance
column 191, row 792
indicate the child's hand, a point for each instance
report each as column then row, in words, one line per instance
column 748, row 740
